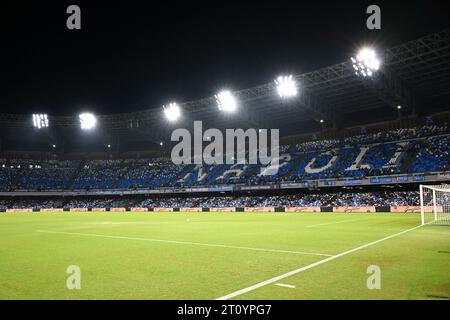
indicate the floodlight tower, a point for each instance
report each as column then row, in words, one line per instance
column 40, row 121
column 286, row 86
column 226, row 101
column 386, row 86
column 172, row 112
column 88, row 121
column 366, row 63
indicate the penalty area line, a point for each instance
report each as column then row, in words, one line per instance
column 313, row 265
column 185, row 243
column 285, row 285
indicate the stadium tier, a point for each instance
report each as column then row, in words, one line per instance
column 406, row 151
column 356, row 163
column 340, row 199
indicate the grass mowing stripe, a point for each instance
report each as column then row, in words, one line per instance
column 336, row 222
column 294, row 272
column 185, row 243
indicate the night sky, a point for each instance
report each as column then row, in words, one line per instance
column 138, row 55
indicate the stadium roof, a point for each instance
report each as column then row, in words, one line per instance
column 413, row 75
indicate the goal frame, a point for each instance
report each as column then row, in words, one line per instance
column 425, row 205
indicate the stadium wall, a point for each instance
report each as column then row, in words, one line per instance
column 326, row 183
column 368, row 209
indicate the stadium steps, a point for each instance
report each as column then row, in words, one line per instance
column 15, row 180
column 413, row 151
column 121, row 176
column 216, row 171
column 254, row 172
column 345, row 160
column 294, row 165
column 182, row 174
column 70, row 182
column 213, row 174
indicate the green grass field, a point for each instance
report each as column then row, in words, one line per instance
column 208, row 256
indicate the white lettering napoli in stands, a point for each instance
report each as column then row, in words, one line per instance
column 310, row 169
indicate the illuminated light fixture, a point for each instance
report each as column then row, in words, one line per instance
column 172, row 112
column 109, row 146
column 322, row 121
column 286, row 86
column 87, row 121
column 40, row 121
column 226, row 101
column 399, row 107
column 161, row 144
column 54, row 146
column 366, row 63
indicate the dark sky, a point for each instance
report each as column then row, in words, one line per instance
column 136, row 55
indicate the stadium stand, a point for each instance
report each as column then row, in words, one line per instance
column 298, row 200
column 417, row 150
column 308, row 200
column 384, row 153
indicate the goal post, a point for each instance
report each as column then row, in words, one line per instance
column 435, row 204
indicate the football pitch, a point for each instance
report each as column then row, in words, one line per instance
column 191, row 256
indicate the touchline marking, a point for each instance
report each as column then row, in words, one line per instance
column 329, row 223
column 285, row 285
column 184, row 242
column 318, row 263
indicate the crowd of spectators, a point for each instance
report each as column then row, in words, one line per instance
column 427, row 130
column 297, row 200
column 30, row 203
column 99, row 174
column 25, row 174
column 432, row 155
column 428, row 151
column 316, row 145
column 399, row 134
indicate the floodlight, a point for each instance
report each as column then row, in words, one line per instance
column 40, row 121
column 87, row 121
column 172, row 112
column 286, row 86
column 366, row 63
column 226, row 101
column 399, row 107
column 161, row 144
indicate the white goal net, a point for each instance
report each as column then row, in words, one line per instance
column 435, row 204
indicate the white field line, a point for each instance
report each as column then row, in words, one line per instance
column 294, row 272
column 285, row 285
column 336, row 222
column 185, row 243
